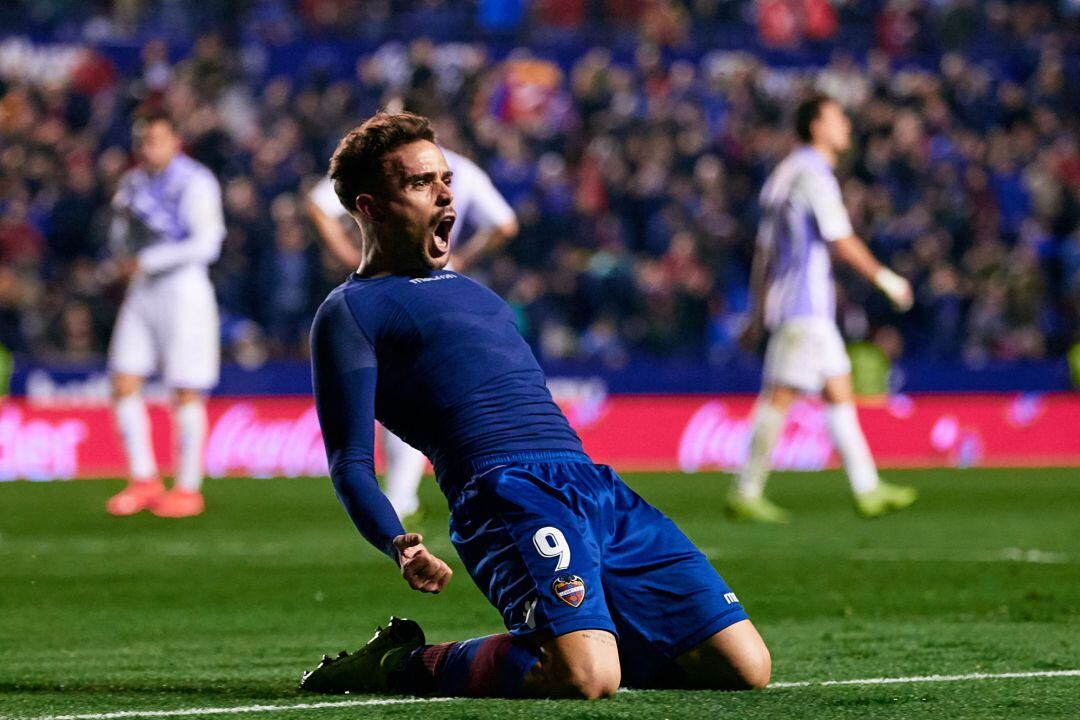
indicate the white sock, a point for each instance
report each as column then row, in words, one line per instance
column 134, row 423
column 404, row 470
column 764, row 432
column 190, row 421
column 848, row 438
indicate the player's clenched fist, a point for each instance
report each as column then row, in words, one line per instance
column 422, row 570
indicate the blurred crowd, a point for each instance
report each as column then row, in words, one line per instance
column 634, row 167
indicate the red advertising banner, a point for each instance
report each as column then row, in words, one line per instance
column 265, row 437
column 697, row 433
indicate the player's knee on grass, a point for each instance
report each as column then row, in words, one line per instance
column 582, row 665
column 753, row 669
column 590, row 682
column 736, row 658
column 585, row 685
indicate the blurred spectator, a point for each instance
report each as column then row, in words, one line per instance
column 12, row 306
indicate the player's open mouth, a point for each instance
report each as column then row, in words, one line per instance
column 442, row 233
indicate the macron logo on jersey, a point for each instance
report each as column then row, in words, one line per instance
column 417, row 281
column 731, row 599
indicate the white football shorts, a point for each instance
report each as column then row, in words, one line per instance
column 805, row 352
column 169, row 325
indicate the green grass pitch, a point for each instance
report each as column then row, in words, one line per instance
column 103, row 615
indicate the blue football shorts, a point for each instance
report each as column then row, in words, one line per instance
column 558, row 544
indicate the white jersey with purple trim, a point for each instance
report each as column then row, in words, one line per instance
column 172, row 222
column 801, row 212
column 171, row 219
column 476, row 200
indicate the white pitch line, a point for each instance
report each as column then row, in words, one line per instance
column 1004, row 555
column 188, row 712
column 927, row 679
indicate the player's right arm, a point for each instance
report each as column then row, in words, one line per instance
column 122, row 263
column 422, row 570
column 326, row 212
column 823, row 194
column 344, row 375
column 120, row 222
column 754, row 329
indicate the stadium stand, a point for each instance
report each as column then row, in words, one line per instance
column 631, row 138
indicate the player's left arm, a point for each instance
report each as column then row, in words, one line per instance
column 200, row 209
column 835, row 226
column 853, row 251
column 495, row 221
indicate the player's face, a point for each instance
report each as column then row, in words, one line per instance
column 418, row 205
column 156, row 144
column 833, row 127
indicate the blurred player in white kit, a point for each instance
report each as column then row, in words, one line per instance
column 167, row 230
column 478, row 205
column 803, row 221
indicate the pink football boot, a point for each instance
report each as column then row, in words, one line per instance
column 137, row 496
column 179, row 503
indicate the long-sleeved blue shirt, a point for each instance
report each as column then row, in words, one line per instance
column 439, row 361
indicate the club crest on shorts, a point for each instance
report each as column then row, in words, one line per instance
column 570, row 589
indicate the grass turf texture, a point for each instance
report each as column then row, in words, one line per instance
column 102, row 614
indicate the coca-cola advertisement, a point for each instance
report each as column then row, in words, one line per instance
column 274, row 437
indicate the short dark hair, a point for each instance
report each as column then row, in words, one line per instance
column 807, row 112
column 149, row 116
column 357, row 162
